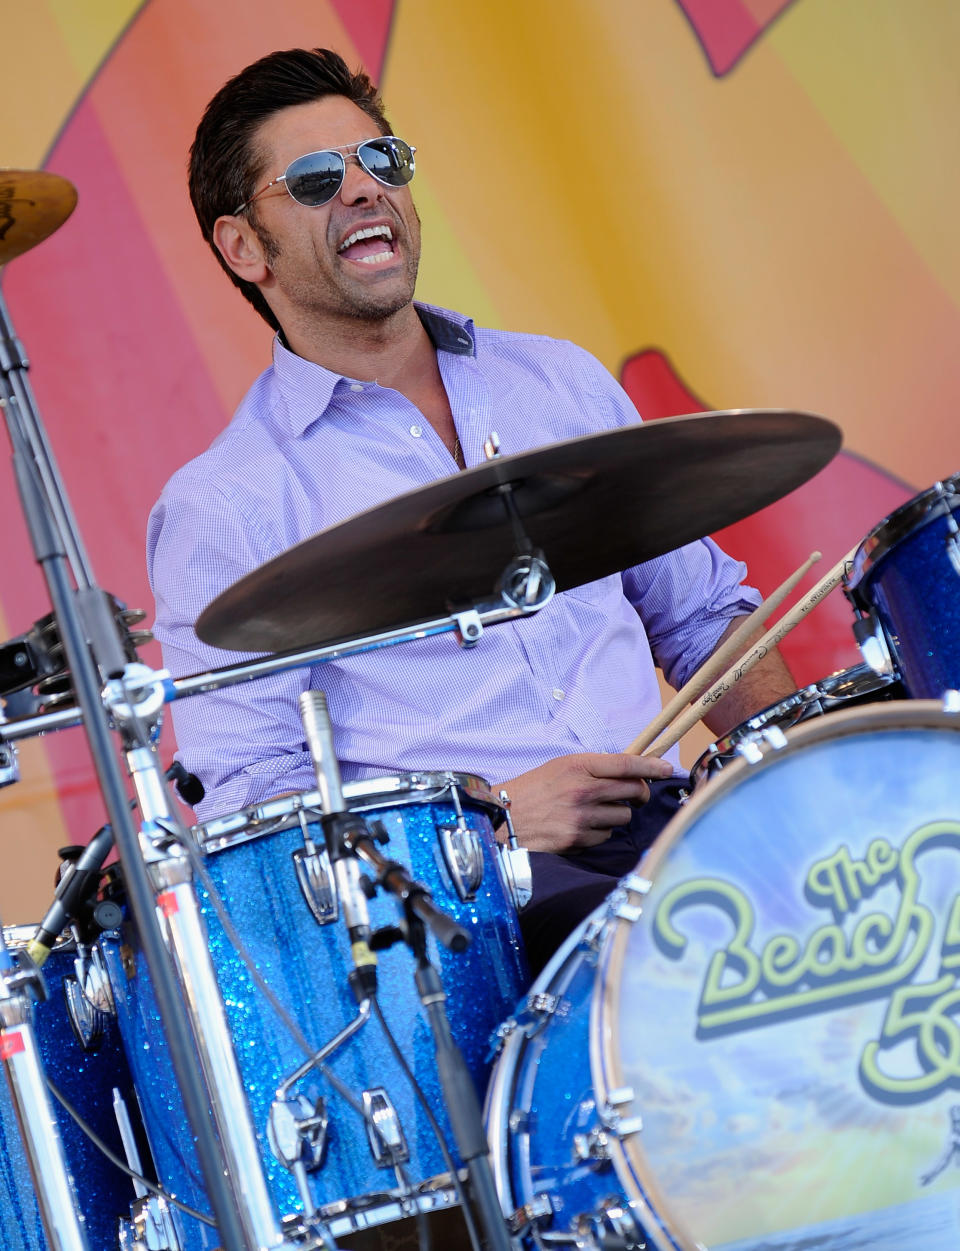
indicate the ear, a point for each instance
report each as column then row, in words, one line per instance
column 236, row 241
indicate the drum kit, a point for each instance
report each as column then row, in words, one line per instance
column 275, row 1029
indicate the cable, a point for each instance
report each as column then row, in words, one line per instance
column 120, row 1164
column 434, row 1125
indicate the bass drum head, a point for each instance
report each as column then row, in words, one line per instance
column 783, row 1003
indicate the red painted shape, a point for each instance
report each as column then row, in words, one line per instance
column 830, row 514
column 123, row 392
column 167, row 903
column 726, row 29
column 367, row 22
column 11, row 1044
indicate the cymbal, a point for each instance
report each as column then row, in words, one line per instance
column 33, row 204
column 594, row 505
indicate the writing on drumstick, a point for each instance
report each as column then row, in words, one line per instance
column 714, row 665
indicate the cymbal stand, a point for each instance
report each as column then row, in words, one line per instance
column 42, row 1143
column 95, row 656
column 185, row 937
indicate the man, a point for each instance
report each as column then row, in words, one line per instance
column 308, row 208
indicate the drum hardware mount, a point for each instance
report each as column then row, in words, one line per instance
column 592, row 1146
column 952, row 543
column 468, row 627
column 515, row 860
column 151, row 1225
column 92, row 980
column 612, row 1226
column 297, row 1129
column 297, row 1133
column 463, row 858
column 539, row 1208
column 538, row 1007
column 611, row 1117
column 315, row 879
column 752, row 749
column 85, row 1019
column 462, row 852
column 872, row 643
column 9, row 765
column 388, row 1143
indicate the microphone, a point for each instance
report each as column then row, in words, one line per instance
column 80, row 880
column 319, row 731
column 337, row 823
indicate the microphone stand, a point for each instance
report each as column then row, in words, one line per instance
column 95, row 657
column 460, row 1097
column 348, row 840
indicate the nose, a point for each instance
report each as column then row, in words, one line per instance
column 358, row 185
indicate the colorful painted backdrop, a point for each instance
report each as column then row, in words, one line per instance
column 733, row 203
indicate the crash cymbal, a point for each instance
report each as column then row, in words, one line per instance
column 594, row 505
column 33, row 204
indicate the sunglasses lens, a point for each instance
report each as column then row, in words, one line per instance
column 389, row 160
column 314, row 179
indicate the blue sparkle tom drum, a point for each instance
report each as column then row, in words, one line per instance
column 756, row 1045
column 315, row 1123
column 905, row 586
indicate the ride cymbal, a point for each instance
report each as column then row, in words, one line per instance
column 33, row 204
column 593, row 505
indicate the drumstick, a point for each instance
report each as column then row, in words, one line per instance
column 736, row 671
column 715, row 664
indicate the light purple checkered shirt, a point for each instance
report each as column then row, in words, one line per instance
column 308, row 448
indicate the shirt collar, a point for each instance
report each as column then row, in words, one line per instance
column 307, row 388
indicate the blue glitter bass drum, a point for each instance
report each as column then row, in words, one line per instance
column 757, row 1044
column 82, row 1056
column 905, row 586
column 269, row 868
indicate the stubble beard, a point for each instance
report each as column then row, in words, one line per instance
column 360, row 305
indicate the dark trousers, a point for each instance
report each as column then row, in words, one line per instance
column 567, row 888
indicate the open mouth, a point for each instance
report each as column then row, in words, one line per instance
column 370, row 246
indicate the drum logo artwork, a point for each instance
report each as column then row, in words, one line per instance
column 863, row 952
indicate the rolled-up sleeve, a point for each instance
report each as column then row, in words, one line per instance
column 686, row 599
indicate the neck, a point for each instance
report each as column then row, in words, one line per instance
column 383, row 351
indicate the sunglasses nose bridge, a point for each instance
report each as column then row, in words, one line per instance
column 351, row 189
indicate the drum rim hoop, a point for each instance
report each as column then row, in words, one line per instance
column 823, row 689
column 936, row 501
column 385, row 790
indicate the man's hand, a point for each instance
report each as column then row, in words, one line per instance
column 575, row 801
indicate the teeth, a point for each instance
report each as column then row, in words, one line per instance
column 369, row 232
column 376, row 258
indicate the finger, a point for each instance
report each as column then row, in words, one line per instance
column 608, row 816
column 619, row 767
column 615, row 792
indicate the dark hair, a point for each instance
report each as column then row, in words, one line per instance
column 224, row 167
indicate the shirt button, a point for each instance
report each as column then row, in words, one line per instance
column 416, row 431
column 558, row 693
column 356, row 386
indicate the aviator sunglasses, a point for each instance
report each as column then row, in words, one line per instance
column 316, row 178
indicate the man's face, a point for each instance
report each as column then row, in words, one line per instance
column 313, row 275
